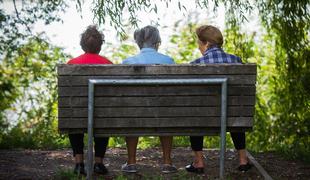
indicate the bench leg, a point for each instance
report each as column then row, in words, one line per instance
column 222, row 153
column 223, row 128
column 90, row 130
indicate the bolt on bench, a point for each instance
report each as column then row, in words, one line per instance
column 147, row 100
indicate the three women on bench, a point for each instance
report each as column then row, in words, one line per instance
column 209, row 41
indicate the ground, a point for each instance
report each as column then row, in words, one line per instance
column 43, row 164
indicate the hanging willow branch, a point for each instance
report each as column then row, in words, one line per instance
column 113, row 11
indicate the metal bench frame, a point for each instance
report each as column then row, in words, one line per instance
column 137, row 82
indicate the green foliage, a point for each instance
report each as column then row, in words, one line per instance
column 144, row 142
column 7, row 94
column 261, row 137
column 185, row 43
column 147, row 142
column 181, row 141
column 118, row 54
column 16, row 138
column 28, row 78
column 239, row 43
column 16, row 28
column 33, row 78
column 282, row 119
column 117, row 142
column 289, row 23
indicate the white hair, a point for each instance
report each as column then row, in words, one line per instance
column 147, row 37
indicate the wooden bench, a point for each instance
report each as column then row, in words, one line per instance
column 143, row 100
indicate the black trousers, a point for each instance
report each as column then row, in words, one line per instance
column 77, row 144
column 238, row 139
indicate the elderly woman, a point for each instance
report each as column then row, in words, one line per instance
column 91, row 41
column 148, row 40
column 210, row 41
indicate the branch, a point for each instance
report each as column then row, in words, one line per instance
column 17, row 15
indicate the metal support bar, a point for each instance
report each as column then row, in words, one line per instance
column 91, row 88
column 137, row 82
column 223, row 128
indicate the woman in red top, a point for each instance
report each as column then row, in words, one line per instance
column 91, row 41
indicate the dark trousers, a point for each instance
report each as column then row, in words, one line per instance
column 77, row 144
column 238, row 139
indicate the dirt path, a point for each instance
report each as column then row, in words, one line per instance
column 38, row 164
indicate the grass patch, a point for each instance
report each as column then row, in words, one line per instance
column 66, row 174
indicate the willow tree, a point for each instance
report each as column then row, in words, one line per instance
column 27, row 74
column 289, row 21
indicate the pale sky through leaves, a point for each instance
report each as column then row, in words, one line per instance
column 67, row 33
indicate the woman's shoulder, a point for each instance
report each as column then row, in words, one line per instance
column 165, row 57
column 130, row 60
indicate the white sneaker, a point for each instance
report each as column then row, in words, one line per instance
column 129, row 168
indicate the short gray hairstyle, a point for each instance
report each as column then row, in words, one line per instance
column 147, row 37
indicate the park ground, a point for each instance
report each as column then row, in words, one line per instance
column 57, row 164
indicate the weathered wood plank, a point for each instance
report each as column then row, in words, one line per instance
column 119, row 91
column 198, row 69
column 181, row 131
column 155, row 112
column 158, row 122
column 83, row 80
column 177, row 101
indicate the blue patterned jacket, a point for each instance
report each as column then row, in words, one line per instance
column 216, row 55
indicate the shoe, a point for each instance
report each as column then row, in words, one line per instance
column 129, row 168
column 191, row 168
column 79, row 169
column 245, row 167
column 99, row 168
column 167, row 168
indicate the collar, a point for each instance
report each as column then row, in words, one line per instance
column 145, row 50
column 210, row 49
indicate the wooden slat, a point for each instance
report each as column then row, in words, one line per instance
column 157, row 112
column 177, row 101
column 140, row 91
column 155, row 91
column 83, row 80
column 158, row 122
column 173, row 131
column 241, row 100
column 197, row 69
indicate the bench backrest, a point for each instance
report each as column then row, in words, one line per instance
column 156, row 109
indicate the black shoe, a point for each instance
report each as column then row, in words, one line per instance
column 245, row 167
column 191, row 168
column 79, row 169
column 99, row 168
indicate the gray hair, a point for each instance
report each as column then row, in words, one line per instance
column 147, row 37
